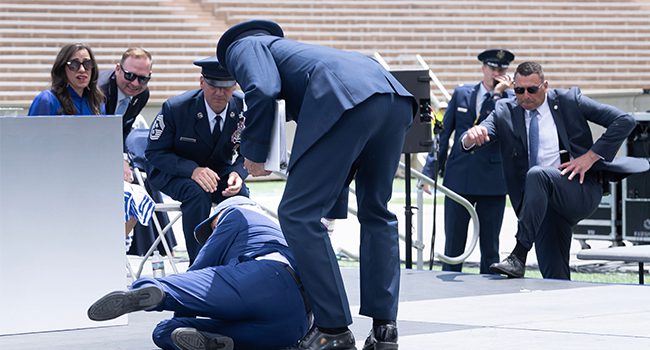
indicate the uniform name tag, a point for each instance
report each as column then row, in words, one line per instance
column 187, row 139
column 461, row 109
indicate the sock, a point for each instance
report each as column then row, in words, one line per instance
column 520, row 252
column 376, row 322
column 333, row 330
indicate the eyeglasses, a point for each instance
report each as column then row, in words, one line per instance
column 75, row 65
column 531, row 89
column 132, row 76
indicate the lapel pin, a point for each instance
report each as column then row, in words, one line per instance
column 232, row 114
column 199, row 115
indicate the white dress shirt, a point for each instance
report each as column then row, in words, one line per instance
column 549, row 145
column 212, row 116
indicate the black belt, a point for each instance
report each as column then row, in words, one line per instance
column 300, row 286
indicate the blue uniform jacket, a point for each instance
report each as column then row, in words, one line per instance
column 180, row 140
column 571, row 111
column 473, row 173
column 242, row 233
column 316, row 91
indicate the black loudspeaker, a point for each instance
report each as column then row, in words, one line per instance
column 418, row 137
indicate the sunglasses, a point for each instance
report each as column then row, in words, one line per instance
column 75, row 65
column 132, row 76
column 531, row 89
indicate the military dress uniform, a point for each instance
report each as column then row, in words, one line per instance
column 350, row 111
column 477, row 176
column 180, row 140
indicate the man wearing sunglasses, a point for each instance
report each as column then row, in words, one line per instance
column 486, row 187
column 126, row 91
column 553, row 168
column 193, row 148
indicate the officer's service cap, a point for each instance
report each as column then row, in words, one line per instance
column 204, row 230
column 214, row 73
column 244, row 29
column 497, row 58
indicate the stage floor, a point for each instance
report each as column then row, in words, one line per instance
column 446, row 311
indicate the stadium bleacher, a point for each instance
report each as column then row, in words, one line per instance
column 598, row 45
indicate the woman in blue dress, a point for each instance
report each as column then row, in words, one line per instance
column 74, row 85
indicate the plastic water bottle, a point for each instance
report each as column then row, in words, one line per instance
column 157, row 265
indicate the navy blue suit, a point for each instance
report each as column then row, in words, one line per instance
column 257, row 303
column 547, row 203
column 476, row 175
column 351, row 116
column 180, row 141
column 107, row 83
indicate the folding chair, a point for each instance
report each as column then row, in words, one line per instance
column 136, row 143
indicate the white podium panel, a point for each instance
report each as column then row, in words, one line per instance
column 61, row 220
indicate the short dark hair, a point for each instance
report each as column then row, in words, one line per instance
column 528, row 68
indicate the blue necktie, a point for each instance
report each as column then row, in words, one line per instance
column 121, row 108
column 486, row 106
column 533, row 138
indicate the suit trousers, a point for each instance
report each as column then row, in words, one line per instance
column 552, row 205
column 256, row 303
column 195, row 206
column 367, row 138
column 490, row 215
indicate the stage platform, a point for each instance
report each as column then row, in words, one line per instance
column 440, row 310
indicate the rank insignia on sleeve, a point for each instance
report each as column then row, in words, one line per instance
column 157, row 128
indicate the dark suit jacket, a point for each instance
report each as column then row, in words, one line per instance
column 571, row 111
column 317, row 83
column 107, row 84
column 475, row 173
column 180, row 140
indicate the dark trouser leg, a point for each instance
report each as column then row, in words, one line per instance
column 195, row 206
column 553, row 245
column 311, row 192
column 547, row 189
column 490, row 214
column 230, row 296
column 456, row 223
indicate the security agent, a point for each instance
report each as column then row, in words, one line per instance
column 193, row 148
column 352, row 112
column 477, row 176
column 242, row 290
column 554, row 169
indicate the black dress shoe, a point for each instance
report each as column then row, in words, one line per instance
column 317, row 340
column 116, row 304
column 382, row 337
column 511, row 266
column 191, row 339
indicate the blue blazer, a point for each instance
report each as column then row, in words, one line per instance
column 571, row 111
column 479, row 172
column 242, row 233
column 318, row 85
column 108, row 84
column 180, row 140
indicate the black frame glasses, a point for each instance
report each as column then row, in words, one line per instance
column 75, row 65
column 130, row 76
column 531, row 89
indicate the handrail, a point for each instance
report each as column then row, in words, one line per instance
column 460, row 200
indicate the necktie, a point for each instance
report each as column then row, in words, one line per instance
column 486, row 107
column 216, row 130
column 533, row 138
column 121, row 107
